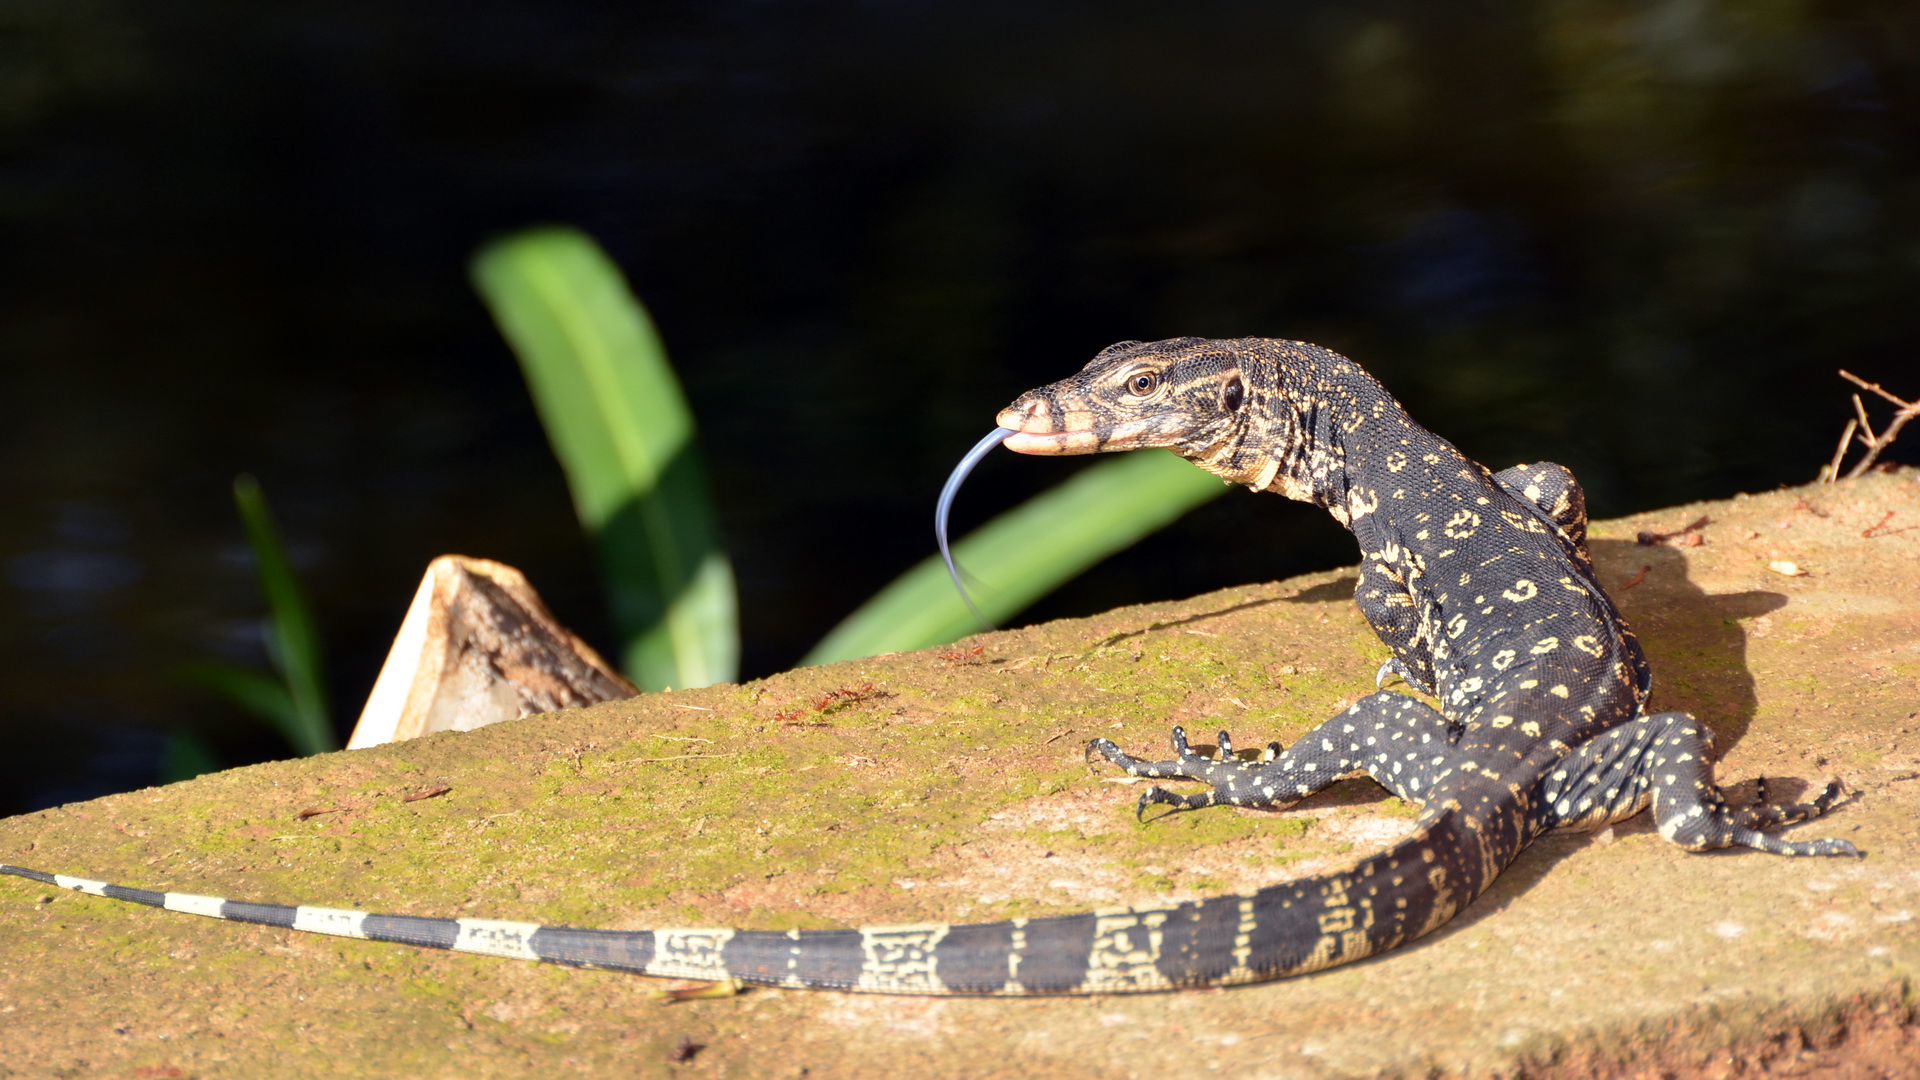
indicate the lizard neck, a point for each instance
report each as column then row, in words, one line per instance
column 1320, row 430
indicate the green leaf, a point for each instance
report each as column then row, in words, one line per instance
column 255, row 692
column 293, row 643
column 620, row 426
column 1024, row 554
column 185, row 756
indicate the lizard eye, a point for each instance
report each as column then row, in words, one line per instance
column 1143, row 383
column 1234, row 393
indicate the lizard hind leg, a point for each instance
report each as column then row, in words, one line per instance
column 1666, row 759
column 1555, row 492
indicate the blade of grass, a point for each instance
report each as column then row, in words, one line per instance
column 254, row 691
column 293, row 643
column 183, row 757
column 620, row 426
column 1024, row 553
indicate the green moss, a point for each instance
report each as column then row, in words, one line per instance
column 1214, row 825
column 797, row 920
column 427, row 989
column 1052, row 785
column 1394, row 806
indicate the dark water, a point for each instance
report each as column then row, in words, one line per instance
column 1633, row 237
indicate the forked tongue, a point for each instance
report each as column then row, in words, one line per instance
column 940, row 511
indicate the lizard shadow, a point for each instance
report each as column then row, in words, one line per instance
column 1340, row 588
column 1202, row 616
column 1695, row 642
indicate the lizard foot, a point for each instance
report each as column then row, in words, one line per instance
column 1691, row 811
column 1668, row 755
column 1186, row 765
column 1227, row 773
column 1764, row 814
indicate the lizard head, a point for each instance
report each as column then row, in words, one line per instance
column 1186, row 394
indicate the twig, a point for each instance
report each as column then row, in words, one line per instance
column 1873, row 386
column 1648, row 539
column 1860, row 413
column 1637, row 578
column 1832, row 471
column 1862, row 429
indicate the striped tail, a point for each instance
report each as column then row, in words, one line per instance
column 1286, row 929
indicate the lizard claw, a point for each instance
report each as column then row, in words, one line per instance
column 1146, row 799
column 1106, row 748
column 1394, row 668
column 1179, row 741
column 1179, row 802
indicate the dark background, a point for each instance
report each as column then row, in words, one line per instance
column 1636, row 238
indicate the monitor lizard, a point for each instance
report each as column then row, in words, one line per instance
column 1479, row 582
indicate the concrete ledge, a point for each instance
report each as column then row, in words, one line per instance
column 948, row 784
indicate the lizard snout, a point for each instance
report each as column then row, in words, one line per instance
column 1043, row 423
column 1031, row 414
column 1039, row 426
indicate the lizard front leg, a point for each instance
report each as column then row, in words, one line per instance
column 1381, row 595
column 1400, row 741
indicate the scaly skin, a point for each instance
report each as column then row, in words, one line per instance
column 1479, row 582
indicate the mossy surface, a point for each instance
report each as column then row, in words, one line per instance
column 947, row 785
